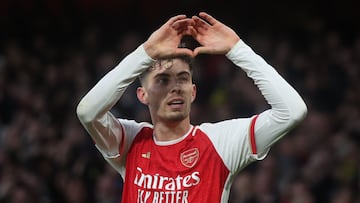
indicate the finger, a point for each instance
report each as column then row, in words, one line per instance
column 175, row 18
column 208, row 18
column 186, row 31
column 200, row 22
column 200, row 25
column 195, row 34
column 183, row 24
column 190, row 31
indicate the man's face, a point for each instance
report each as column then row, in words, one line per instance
column 168, row 91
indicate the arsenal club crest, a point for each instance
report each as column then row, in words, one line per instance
column 189, row 157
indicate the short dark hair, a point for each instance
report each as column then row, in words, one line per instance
column 187, row 59
column 186, row 42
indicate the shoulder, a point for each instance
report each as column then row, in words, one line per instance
column 228, row 133
column 133, row 123
column 131, row 127
column 226, row 126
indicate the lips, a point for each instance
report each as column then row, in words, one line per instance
column 176, row 102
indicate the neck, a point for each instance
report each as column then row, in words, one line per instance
column 171, row 130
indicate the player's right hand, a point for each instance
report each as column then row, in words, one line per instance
column 164, row 42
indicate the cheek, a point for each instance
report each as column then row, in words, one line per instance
column 155, row 95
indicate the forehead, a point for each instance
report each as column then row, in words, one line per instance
column 169, row 66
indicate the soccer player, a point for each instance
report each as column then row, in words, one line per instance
column 170, row 160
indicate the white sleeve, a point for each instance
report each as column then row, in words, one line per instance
column 231, row 141
column 287, row 110
column 130, row 128
column 94, row 108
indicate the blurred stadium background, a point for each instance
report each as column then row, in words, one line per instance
column 52, row 52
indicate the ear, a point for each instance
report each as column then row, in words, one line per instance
column 193, row 94
column 142, row 95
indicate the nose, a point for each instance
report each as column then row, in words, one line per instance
column 176, row 86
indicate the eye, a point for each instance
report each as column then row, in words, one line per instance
column 184, row 79
column 163, row 81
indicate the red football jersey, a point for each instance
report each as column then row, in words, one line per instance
column 198, row 167
column 187, row 171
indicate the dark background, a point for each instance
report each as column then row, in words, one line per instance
column 65, row 20
column 53, row 52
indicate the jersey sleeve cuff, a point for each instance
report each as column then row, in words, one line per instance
column 239, row 48
column 142, row 53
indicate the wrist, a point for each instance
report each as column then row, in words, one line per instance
column 149, row 49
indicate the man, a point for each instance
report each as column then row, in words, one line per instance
column 171, row 160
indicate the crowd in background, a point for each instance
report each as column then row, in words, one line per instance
column 47, row 157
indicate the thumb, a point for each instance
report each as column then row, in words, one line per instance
column 184, row 51
column 200, row 50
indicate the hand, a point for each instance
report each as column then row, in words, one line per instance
column 164, row 42
column 213, row 36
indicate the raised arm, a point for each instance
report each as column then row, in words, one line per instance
column 287, row 107
column 94, row 108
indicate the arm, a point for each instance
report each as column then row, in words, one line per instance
column 94, row 108
column 287, row 107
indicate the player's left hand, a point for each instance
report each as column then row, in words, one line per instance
column 213, row 36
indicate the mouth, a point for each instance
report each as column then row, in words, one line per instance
column 176, row 103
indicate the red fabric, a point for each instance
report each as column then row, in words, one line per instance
column 252, row 135
column 180, row 172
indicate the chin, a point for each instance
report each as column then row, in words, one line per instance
column 176, row 116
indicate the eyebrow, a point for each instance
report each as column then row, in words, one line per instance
column 183, row 73
column 168, row 75
column 162, row 75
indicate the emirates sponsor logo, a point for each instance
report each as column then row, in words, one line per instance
column 155, row 188
column 157, row 181
column 190, row 157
